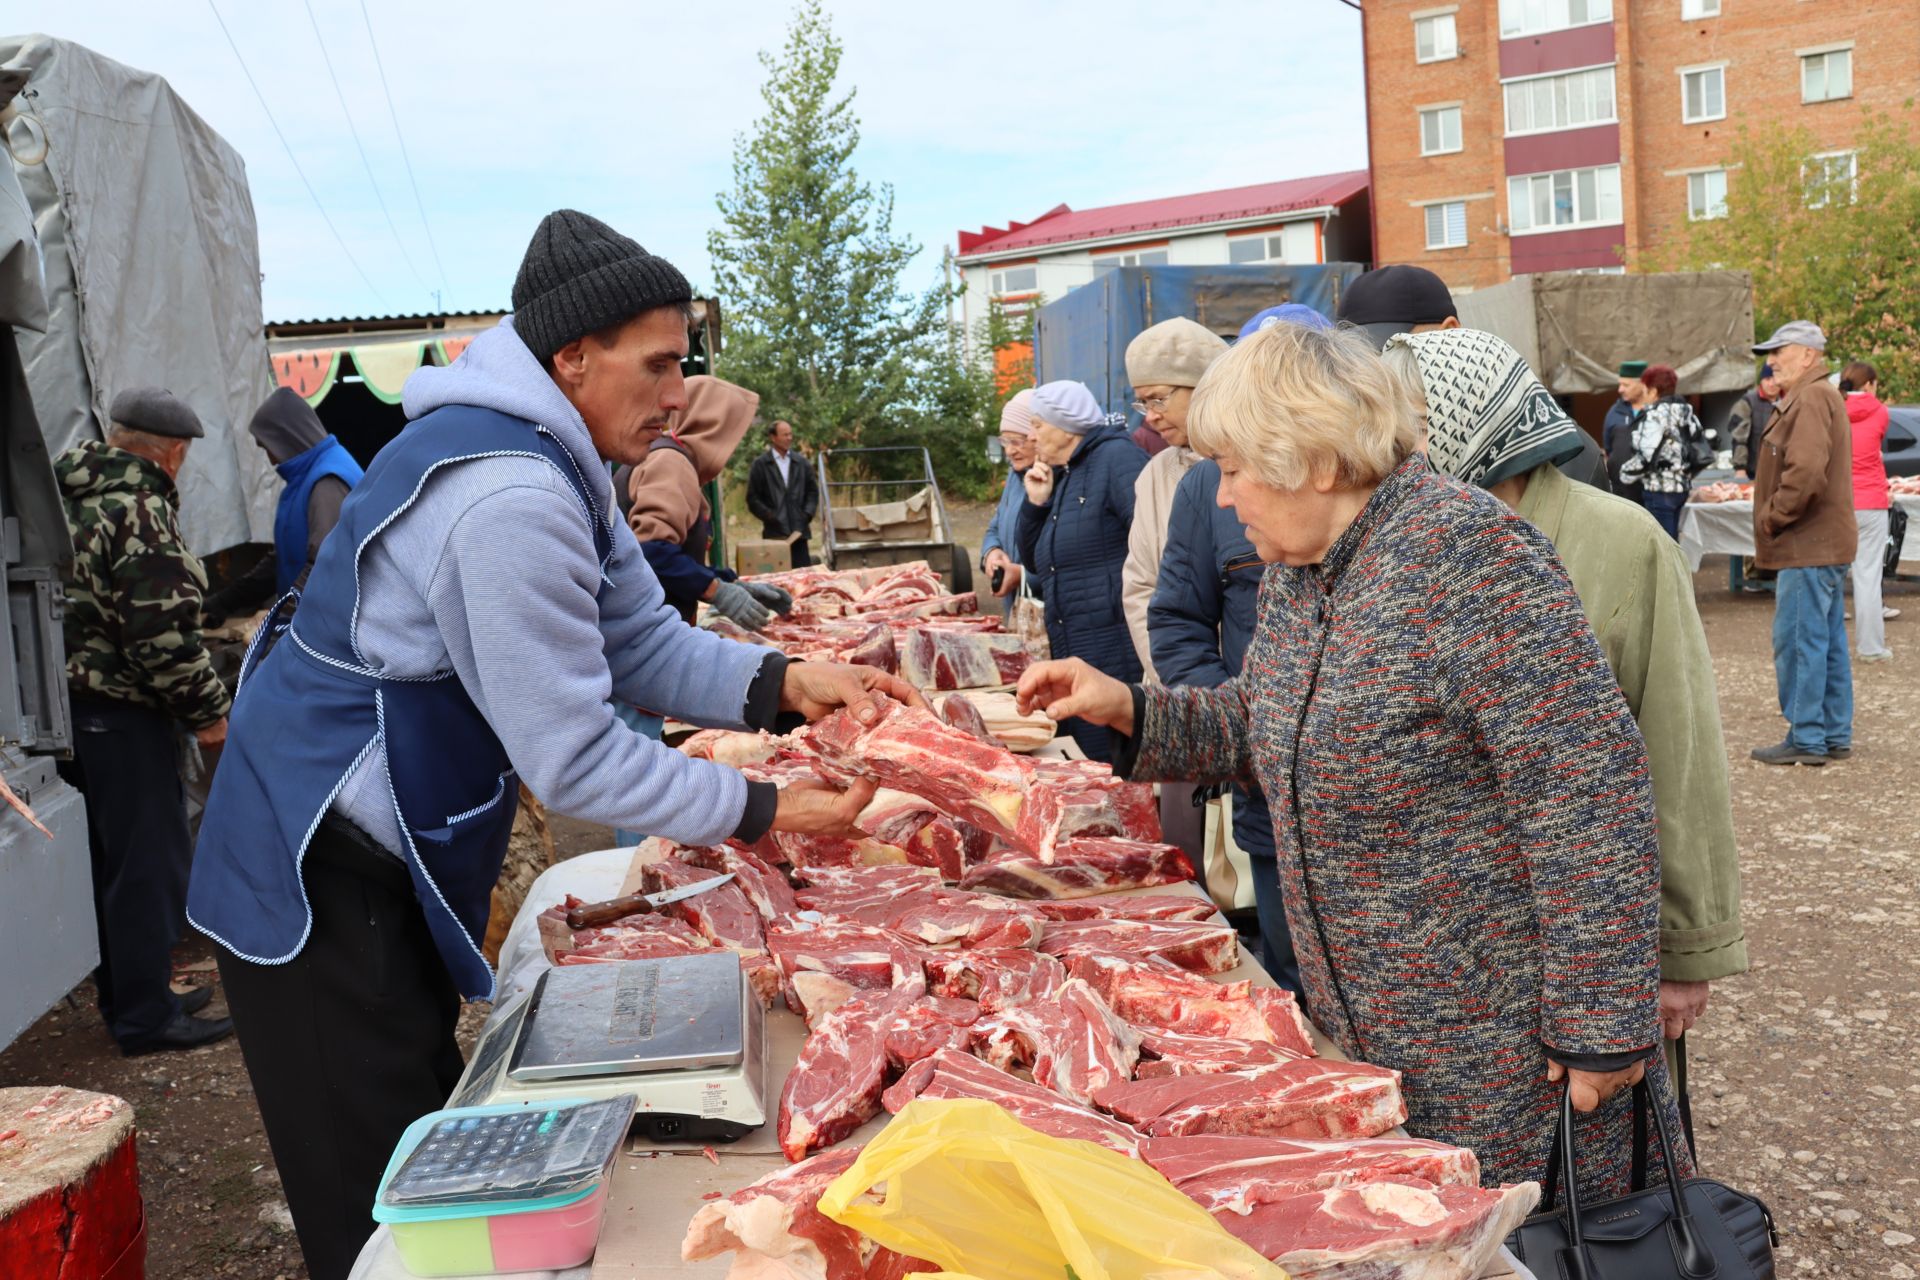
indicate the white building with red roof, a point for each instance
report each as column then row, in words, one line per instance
column 1301, row 220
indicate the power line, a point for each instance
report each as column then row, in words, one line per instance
column 367, row 164
column 292, row 159
column 418, row 202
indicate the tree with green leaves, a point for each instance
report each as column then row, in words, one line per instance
column 1830, row 241
column 811, row 276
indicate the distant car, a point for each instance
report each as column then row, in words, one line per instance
column 1901, row 448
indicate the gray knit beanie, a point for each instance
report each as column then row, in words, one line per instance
column 581, row 276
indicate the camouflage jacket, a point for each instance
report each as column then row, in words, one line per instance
column 133, row 603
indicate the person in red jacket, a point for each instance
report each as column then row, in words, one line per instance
column 1868, row 419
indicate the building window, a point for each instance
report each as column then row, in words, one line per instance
column 1570, row 101
column 1268, row 248
column 1707, row 195
column 1150, row 258
column 1568, row 198
column 1435, row 39
column 1691, row 9
column 1830, row 177
column 1439, row 131
column 1447, row 225
column 1826, row 76
column 1703, row 94
column 1530, row 17
column 1015, row 280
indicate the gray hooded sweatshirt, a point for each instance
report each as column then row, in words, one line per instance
column 492, row 573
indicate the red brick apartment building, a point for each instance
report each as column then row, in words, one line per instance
column 1513, row 136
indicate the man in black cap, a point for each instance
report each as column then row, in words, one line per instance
column 1408, row 299
column 1616, row 433
column 466, row 627
column 136, row 670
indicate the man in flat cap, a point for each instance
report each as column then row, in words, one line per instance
column 468, row 625
column 137, row 671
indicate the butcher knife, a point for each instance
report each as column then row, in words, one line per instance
column 594, row 914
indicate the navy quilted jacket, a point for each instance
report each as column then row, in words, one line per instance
column 1202, row 615
column 1074, row 547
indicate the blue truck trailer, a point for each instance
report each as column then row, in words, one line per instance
column 1084, row 335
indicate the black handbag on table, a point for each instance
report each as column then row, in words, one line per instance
column 1896, row 535
column 1696, row 1230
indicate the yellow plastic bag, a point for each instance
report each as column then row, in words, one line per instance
column 965, row 1185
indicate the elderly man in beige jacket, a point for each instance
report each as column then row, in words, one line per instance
column 1164, row 364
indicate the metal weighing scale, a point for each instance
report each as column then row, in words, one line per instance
column 685, row 1034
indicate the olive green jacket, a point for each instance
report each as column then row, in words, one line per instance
column 1638, row 596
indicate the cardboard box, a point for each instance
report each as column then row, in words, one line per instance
column 908, row 521
column 762, row 555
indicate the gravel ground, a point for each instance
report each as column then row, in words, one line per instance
column 1806, row 1079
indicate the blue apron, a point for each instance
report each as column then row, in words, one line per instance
column 312, row 708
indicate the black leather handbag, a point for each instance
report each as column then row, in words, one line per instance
column 1696, row 1230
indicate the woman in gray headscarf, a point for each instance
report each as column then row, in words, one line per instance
column 1491, row 423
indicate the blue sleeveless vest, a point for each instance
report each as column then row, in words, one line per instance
column 328, row 458
column 309, row 711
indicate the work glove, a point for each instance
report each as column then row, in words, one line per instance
column 734, row 602
column 775, row 598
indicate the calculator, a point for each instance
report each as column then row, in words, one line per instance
column 522, row 1154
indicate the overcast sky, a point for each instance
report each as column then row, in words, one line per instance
column 975, row 113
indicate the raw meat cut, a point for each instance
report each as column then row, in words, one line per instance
column 928, row 837
column 823, row 963
column 997, row 979
column 1071, row 1043
column 1081, row 868
column 724, row 916
column 882, row 879
column 910, row 749
column 727, row 746
column 1146, row 906
column 777, row 1231
column 766, row 888
column 952, row 1074
column 835, row 1084
column 1171, row 1053
column 934, row 917
column 803, row 851
column 963, row 715
column 943, row 658
column 646, row 936
column 1092, row 802
column 1001, row 714
column 1304, row 1098
column 927, row 1026
column 1395, row 1229
column 1201, row 947
column 1232, row 1174
column 1162, row 997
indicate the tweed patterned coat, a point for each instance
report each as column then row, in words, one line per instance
column 1463, row 820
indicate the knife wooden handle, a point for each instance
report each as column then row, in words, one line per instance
column 594, row 914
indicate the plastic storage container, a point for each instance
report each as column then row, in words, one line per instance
column 490, row 1235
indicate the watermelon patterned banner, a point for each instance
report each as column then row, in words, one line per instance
column 450, row 348
column 311, row 374
column 385, row 366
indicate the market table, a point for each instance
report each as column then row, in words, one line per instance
column 1726, row 528
column 655, row 1191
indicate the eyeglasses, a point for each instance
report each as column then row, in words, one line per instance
column 1152, row 404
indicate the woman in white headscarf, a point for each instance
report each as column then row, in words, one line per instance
column 1073, row 535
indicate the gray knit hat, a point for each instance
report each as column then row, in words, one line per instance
column 581, row 276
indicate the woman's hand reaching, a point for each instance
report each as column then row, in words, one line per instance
column 1072, row 688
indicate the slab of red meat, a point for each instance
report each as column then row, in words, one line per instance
column 835, row 1084
column 1232, row 1174
column 965, row 602
column 927, row 1026
column 1081, row 868
column 1148, row 906
column 910, row 749
column 724, row 916
column 876, row 879
column 778, row 1219
column 647, row 936
column 952, row 1074
column 928, row 837
column 766, row 888
column 960, row 712
column 1394, row 1228
column 945, row 658
column 970, row 921
column 1071, row 1042
column 1171, row 1053
column 823, row 964
column 1161, row 997
column 803, row 851
column 1199, row 946
column 1092, row 802
column 997, row 979
column 1304, row 1098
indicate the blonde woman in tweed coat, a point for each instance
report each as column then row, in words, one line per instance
column 1463, row 820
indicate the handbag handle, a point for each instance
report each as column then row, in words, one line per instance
column 1688, row 1253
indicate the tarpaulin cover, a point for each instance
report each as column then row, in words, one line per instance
column 152, row 267
column 1084, row 334
column 30, row 493
column 1576, row 329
